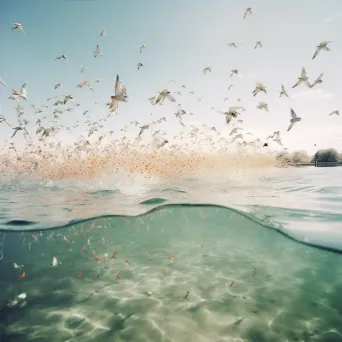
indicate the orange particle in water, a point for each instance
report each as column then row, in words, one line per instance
column 171, row 257
column 22, row 276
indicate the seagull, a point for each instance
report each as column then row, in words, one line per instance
column 321, row 46
column 317, row 81
column 205, row 70
column 303, row 78
column 142, row 129
column 67, row 98
column 247, row 12
column 65, row 57
column 152, row 100
column 234, row 71
column 232, row 44
column 23, row 93
column 120, row 94
column 97, row 51
column 58, row 85
column 259, row 88
column 103, row 32
column 283, row 92
column 162, row 95
column 83, row 68
column 16, row 129
column 3, row 83
column 262, row 105
column 142, row 47
column 294, row 119
column 162, row 143
column 336, row 112
column 258, row 44
column 274, row 135
column 139, row 65
column 18, row 26
column 232, row 113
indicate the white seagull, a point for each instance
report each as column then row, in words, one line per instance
column 22, row 94
column 302, row 78
column 120, row 94
column 97, row 51
column 205, row 70
column 317, row 81
column 294, row 119
column 283, row 92
column 231, row 113
column 262, row 106
column 142, row 47
column 321, row 46
column 163, row 94
column 19, row 27
column 259, row 88
column 103, row 32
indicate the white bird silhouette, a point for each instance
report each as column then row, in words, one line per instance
column 302, row 78
column 263, row 106
column 317, row 81
column 3, row 83
column 120, row 94
column 283, row 92
column 163, row 94
column 294, row 119
column 22, row 94
column 20, row 27
column 103, row 32
column 259, row 88
column 97, row 51
column 321, row 46
column 141, row 47
column 65, row 57
column 231, row 113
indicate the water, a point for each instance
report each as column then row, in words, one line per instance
column 257, row 250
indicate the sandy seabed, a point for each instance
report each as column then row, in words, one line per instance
column 127, row 279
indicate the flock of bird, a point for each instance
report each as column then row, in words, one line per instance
column 61, row 104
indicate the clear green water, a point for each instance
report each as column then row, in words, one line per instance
column 247, row 279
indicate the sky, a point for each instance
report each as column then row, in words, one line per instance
column 182, row 38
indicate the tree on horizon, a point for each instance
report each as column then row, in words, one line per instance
column 326, row 156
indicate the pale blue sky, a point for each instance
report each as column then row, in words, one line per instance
column 182, row 38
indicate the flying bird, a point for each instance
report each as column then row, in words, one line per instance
column 19, row 27
column 234, row 71
column 142, row 47
column 231, row 113
column 103, row 32
column 317, row 81
column 336, row 112
column 258, row 44
column 283, row 92
column 120, row 94
column 97, row 51
column 259, row 88
column 232, row 44
column 302, row 78
column 205, row 70
column 162, row 95
column 294, row 119
column 22, row 94
column 65, row 57
column 247, row 12
column 139, row 65
column 321, row 46
column 263, row 106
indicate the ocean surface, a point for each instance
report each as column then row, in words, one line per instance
column 251, row 255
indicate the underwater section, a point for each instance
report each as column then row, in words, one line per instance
column 175, row 273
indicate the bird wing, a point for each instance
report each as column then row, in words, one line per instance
column 297, row 84
column 117, row 89
column 303, row 73
column 23, row 89
column 293, row 114
column 291, row 125
column 228, row 118
column 316, row 53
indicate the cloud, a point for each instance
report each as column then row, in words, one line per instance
column 314, row 94
column 333, row 18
